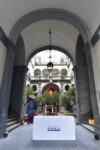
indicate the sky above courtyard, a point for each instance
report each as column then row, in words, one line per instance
column 57, row 57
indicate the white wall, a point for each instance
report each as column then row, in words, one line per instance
column 2, row 60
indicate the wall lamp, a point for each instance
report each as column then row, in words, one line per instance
column 96, row 36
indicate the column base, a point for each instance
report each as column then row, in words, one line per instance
column 97, row 132
column 96, row 137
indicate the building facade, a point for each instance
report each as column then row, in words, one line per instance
column 62, row 74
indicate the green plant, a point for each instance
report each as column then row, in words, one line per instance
column 55, row 98
column 68, row 99
column 71, row 96
column 38, row 99
column 48, row 99
column 29, row 91
column 63, row 100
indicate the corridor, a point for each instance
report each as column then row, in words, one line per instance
column 21, row 139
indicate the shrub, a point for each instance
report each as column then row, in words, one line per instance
column 29, row 91
column 68, row 99
column 48, row 99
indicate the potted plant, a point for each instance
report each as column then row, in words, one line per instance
column 29, row 91
column 38, row 100
column 68, row 99
column 50, row 100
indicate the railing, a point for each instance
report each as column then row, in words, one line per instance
column 55, row 64
column 50, row 77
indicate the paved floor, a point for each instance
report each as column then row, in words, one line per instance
column 21, row 139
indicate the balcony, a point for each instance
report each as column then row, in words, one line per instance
column 43, row 79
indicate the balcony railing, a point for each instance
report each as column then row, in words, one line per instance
column 50, row 77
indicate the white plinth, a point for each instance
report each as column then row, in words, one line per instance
column 54, row 128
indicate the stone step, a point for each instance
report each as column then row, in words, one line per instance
column 12, row 127
column 10, row 119
column 89, row 127
column 11, row 123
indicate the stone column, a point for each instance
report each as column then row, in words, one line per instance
column 94, row 103
column 82, row 94
column 39, row 89
column 6, row 86
column 82, row 83
column 17, row 97
column 62, row 88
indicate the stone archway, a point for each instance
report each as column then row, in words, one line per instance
column 83, row 30
column 19, row 77
column 50, row 13
column 52, row 87
column 34, row 52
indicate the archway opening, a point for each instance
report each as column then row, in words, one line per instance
column 63, row 72
column 60, row 41
column 52, row 83
column 51, row 87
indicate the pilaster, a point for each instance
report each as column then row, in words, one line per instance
column 6, row 81
column 87, row 50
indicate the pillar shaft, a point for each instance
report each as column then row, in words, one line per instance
column 92, row 90
column 17, row 97
column 62, row 88
column 6, row 87
column 82, row 94
column 39, row 89
column 82, row 83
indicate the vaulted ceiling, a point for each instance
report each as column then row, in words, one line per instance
column 12, row 10
column 63, row 34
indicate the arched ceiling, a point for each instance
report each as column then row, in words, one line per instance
column 12, row 10
column 37, row 35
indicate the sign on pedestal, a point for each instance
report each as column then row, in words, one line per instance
column 54, row 128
